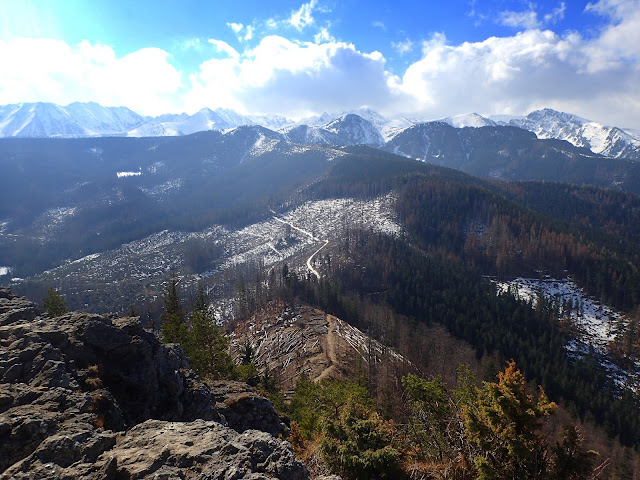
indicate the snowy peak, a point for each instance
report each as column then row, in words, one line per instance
column 308, row 135
column 74, row 120
column 468, row 120
column 355, row 130
column 599, row 138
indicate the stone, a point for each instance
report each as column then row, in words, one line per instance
column 96, row 397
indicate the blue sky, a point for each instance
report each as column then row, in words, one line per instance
column 421, row 59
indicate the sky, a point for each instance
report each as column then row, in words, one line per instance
column 420, row 59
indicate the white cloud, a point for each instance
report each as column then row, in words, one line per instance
column 596, row 77
column 249, row 35
column 224, row 47
column 380, row 25
column 303, row 16
column 528, row 19
column 556, row 14
column 298, row 19
column 53, row 71
column 403, row 47
column 293, row 78
column 517, row 74
column 323, row 36
column 237, row 29
column 190, row 44
column 618, row 45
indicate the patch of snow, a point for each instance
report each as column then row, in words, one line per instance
column 165, row 188
column 53, row 219
column 596, row 324
column 153, row 168
column 5, row 271
column 468, row 120
column 128, row 174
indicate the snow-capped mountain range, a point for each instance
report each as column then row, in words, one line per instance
column 607, row 141
column 362, row 126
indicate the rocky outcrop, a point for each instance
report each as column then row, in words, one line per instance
column 159, row 449
column 89, row 396
column 242, row 409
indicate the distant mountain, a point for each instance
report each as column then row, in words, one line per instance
column 318, row 120
column 273, row 122
column 203, row 120
column 510, row 153
column 608, row 141
column 355, row 130
column 309, row 135
column 468, row 120
column 360, row 126
column 74, row 120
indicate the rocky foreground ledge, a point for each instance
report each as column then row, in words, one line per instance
column 96, row 397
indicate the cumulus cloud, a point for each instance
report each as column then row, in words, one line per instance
column 295, row 78
column 618, row 45
column 596, row 77
column 51, row 70
column 517, row 74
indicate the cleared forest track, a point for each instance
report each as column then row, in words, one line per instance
column 331, row 349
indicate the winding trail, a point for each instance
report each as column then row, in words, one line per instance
column 311, row 269
column 310, row 235
column 331, row 349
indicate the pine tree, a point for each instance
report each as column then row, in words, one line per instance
column 206, row 347
column 54, row 304
column 202, row 302
column 174, row 328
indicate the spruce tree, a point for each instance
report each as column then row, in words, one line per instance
column 206, row 345
column 505, row 426
column 174, row 328
column 54, row 304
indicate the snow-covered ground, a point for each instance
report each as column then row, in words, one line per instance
column 164, row 189
column 596, row 324
column 311, row 224
column 53, row 220
column 292, row 237
column 128, row 174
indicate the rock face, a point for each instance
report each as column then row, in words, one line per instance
column 241, row 409
column 88, row 396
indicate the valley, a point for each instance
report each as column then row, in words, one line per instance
column 332, row 249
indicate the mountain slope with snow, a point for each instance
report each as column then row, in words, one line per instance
column 309, row 135
column 355, row 130
column 468, row 120
column 604, row 140
column 74, row 120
